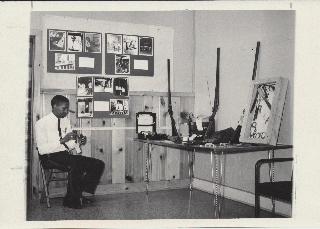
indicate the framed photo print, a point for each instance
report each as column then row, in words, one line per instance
column 114, row 43
column 92, row 42
column 57, row 40
column 264, row 111
column 85, row 107
column 75, row 41
column 84, row 86
column 130, row 45
column 121, row 86
column 122, row 64
column 63, row 61
column 103, row 84
column 146, row 46
column 119, row 106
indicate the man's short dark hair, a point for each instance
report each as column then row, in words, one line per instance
column 57, row 99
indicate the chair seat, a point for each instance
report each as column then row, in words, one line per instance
column 47, row 164
column 281, row 190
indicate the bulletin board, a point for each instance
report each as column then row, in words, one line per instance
column 74, row 52
column 162, row 50
column 102, row 97
column 129, row 55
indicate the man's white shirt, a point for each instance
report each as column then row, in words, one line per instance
column 47, row 134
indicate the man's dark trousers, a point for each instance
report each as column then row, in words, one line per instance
column 84, row 172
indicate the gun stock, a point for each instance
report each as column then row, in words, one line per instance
column 175, row 133
column 211, row 126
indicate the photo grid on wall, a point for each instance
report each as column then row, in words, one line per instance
column 102, row 97
column 74, row 52
column 129, row 55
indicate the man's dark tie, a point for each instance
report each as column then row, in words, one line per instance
column 60, row 135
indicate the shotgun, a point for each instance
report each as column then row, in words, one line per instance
column 175, row 134
column 211, row 126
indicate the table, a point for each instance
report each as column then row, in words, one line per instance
column 216, row 156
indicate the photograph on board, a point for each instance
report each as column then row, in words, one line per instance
column 130, row 45
column 122, row 64
column 64, row 61
column 114, row 43
column 93, row 42
column 103, row 84
column 84, row 86
column 146, row 46
column 85, row 107
column 120, row 86
column 75, row 41
column 57, row 40
column 119, row 107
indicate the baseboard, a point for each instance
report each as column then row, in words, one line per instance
column 281, row 208
column 129, row 187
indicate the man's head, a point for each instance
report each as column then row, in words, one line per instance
column 60, row 106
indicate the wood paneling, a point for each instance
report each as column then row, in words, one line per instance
column 101, row 145
column 123, row 157
column 118, row 152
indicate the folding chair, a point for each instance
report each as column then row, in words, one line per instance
column 50, row 173
column 277, row 190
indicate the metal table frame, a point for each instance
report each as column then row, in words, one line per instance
column 216, row 156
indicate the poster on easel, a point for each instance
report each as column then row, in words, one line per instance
column 102, row 97
column 74, row 52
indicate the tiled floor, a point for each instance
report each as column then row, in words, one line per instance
column 169, row 204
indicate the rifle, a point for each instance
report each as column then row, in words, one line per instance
column 256, row 61
column 211, row 126
column 254, row 74
column 175, row 134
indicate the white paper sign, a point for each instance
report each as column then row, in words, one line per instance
column 86, row 62
column 141, row 64
column 101, row 106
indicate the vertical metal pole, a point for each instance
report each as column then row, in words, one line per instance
column 213, row 185
column 189, row 163
column 147, row 170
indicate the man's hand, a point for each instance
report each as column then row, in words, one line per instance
column 82, row 140
column 68, row 137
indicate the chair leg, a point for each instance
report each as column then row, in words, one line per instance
column 45, row 184
column 257, row 205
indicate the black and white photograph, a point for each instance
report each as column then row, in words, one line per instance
column 114, row 43
column 93, row 42
column 146, row 46
column 57, row 40
column 103, row 84
column 122, row 64
column 85, row 107
column 63, row 61
column 75, row 41
column 222, row 86
column 84, row 86
column 120, row 86
column 119, row 107
column 130, row 44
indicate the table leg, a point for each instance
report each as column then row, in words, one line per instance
column 191, row 168
column 221, row 173
column 147, row 169
column 214, row 185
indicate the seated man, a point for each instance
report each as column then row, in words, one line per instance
column 54, row 139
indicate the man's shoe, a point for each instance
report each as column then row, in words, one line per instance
column 86, row 200
column 72, row 203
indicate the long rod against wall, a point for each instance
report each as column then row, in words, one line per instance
column 256, row 57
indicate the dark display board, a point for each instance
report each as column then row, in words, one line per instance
column 74, row 52
column 129, row 55
column 102, row 97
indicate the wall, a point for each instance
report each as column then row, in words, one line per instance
column 236, row 33
column 180, row 21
